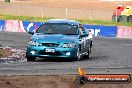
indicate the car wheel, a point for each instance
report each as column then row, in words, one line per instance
column 78, row 55
column 88, row 53
column 90, row 50
column 30, row 58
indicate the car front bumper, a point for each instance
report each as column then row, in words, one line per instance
column 59, row 52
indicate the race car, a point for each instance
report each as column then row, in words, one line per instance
column 59, row 38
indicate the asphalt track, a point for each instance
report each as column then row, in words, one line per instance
column 109, row 55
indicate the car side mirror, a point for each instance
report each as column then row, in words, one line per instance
column 84, row 34
column 31, row 32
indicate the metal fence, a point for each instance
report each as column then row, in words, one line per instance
column 39, row 11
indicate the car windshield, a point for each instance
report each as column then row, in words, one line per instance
column 58, row 28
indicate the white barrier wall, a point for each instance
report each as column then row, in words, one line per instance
column 124, row 32
column 97, row 30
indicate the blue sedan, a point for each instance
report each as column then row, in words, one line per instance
column 59, row 38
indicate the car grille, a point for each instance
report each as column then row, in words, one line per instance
column 57, row 53
column 50, row 44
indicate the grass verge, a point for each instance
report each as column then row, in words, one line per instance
column 83, row 21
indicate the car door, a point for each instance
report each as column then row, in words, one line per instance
column 86, row 40
column 82, row 40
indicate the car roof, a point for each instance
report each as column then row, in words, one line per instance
column 62, row 21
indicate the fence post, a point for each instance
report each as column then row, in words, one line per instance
column 116, row 15
column 20, row 10
column 46, row 12
column 66, row 13
column 42, row 12
column 90, row 15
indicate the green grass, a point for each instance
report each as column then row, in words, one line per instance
column 104, row 22
column 83, row 21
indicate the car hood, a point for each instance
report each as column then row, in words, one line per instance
column 54, row 38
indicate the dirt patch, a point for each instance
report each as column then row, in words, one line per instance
column 90, row 4
column 10, row 55
column 56, row 81
column 71, row 9
column 5, row 52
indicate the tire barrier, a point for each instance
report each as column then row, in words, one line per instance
column 122, row 14
column 97, row 30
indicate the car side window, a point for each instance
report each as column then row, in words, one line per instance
column 82, row 30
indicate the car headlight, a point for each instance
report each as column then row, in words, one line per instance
column 69, row 45
column 34, row 43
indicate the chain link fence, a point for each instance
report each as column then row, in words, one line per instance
column 70, row 13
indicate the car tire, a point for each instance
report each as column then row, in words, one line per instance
column 113, row 18
column 90, row 50
column 88, row 53
column 30, row 58
column 78, row 55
